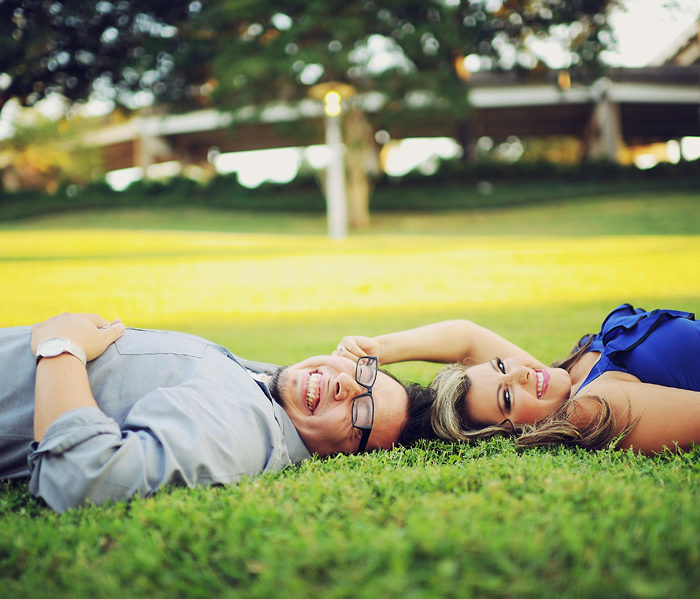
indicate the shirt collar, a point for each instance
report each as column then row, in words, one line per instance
column 296, row 448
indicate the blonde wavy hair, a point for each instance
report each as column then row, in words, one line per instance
column 448, row 416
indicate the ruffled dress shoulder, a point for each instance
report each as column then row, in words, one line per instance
column 661, row 347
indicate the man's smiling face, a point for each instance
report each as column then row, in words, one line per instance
column 317, row 395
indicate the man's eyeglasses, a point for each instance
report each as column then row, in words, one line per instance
column 363, row 404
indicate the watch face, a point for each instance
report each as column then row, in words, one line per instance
column 55, row 346
column 52, row 347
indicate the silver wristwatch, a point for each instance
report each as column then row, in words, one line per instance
column 55, row 346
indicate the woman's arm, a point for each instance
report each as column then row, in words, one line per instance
column 447, row 341
column 664, row 416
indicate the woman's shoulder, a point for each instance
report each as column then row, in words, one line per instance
column 652, row 416
column 607, row 383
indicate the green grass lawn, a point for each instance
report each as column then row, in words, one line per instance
column 650, row 211
column 435, row 520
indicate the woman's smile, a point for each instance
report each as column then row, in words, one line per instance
column 542, row 378
column 513, row 390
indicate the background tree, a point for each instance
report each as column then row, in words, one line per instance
column 243, row 53
column 45, row 153
column 410, row 51
column 118, row 47
column 114, row 50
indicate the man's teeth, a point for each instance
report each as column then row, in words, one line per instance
column 312, row 390
column 540, row 383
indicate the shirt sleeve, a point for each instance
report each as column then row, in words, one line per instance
column 168, row 437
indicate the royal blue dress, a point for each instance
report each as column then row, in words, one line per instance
column 660, row 347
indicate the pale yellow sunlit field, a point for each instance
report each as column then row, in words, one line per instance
column 147, row 276
column 173, row 277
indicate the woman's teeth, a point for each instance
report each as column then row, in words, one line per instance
column 312, row 390
column 539, row 376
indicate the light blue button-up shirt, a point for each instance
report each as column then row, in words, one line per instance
column 173, row 408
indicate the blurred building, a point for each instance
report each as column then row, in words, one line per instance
column 624, row 115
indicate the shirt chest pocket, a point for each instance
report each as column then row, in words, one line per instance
column 148, row 342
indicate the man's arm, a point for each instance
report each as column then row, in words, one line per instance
column 61, row 385
column 211, row 429
column 173, row 435
column 61, row 381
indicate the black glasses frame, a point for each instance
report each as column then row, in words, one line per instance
column 366, row 430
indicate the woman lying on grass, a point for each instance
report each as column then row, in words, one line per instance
column 637, row 381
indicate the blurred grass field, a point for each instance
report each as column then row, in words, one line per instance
column 281, row 297
column 432, row 521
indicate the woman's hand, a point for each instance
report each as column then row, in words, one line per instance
column 92, row 333
column 442, row 342
column 356, row 346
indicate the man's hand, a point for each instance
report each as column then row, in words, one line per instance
column 92, row 333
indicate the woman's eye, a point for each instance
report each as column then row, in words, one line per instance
column 501, row 365
column 506, row 399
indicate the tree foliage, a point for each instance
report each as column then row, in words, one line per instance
column 400, row 55
column 45, row 153
column 402, row 48
column 261, row 50
column 117, row 46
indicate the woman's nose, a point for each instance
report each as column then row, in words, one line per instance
column 519, row 374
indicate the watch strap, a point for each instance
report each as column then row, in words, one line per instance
column 61, row 345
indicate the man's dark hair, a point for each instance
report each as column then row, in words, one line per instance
column 420, row 403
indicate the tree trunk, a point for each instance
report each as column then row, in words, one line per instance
column 466, row 139
column 361, row 166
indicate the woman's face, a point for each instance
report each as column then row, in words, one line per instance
column 513, row 390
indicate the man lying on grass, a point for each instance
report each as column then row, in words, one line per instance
column 91, row 410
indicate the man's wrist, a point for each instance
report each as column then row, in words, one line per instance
column 57, row 346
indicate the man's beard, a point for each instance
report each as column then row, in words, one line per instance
column 274, row 385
